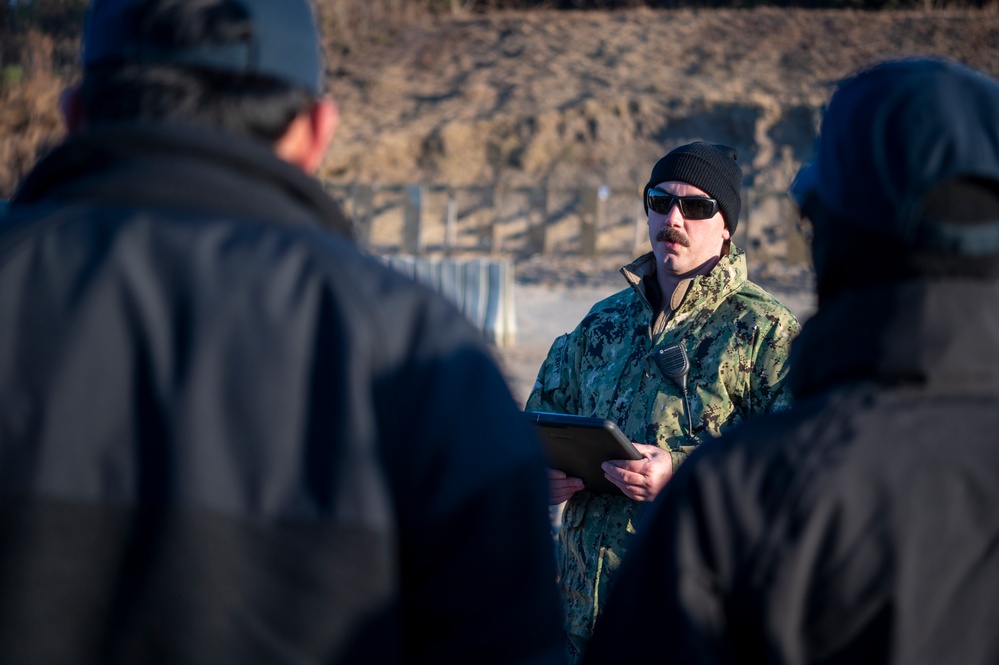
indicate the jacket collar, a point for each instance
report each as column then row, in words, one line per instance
column 181, row 166
column 702, row 292
column 943, row 333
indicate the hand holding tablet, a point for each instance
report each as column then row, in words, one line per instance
column 578, row 445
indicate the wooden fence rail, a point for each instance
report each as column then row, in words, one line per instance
column 421, row 219
column 413, row 219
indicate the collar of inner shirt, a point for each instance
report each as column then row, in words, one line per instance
column 664, row 309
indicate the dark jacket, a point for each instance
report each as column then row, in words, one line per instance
column 862, row 526
column 227, row 436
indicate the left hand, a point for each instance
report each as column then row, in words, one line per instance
column 642, row 479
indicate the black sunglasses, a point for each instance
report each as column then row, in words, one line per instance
column 691, row 207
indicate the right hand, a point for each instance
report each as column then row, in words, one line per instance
column 561, row 486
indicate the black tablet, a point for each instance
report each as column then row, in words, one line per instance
column 578, row 445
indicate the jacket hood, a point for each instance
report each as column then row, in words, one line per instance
column 890, row 136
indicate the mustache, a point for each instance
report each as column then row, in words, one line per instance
column 670, row 234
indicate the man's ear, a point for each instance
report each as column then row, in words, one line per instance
column 308, row 136
column 326, row 120
column 71, row 109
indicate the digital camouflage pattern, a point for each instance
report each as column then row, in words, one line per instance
column 737, row 338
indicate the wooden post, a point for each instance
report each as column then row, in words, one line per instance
column 537, row 220
column 489, row 223
column 363, row 208
column 592, row 218
column 641, row 227
column 412, row 220
column 451, row 221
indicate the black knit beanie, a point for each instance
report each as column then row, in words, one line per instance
column 708, row 166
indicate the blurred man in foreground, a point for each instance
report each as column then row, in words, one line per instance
column 861, row 526
column 226, row 436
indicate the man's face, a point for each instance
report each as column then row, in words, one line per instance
column 682, row 246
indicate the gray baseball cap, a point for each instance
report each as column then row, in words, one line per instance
column 283, row 43
column 897, row 135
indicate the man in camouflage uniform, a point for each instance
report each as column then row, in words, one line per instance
column 689, row 302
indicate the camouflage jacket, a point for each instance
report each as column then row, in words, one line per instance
column 737, row 338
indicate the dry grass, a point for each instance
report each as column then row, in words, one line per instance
column 29, row 121
column 433, row 92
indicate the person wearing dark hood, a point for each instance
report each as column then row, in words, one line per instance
column 226, row 434
column 861, row 526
